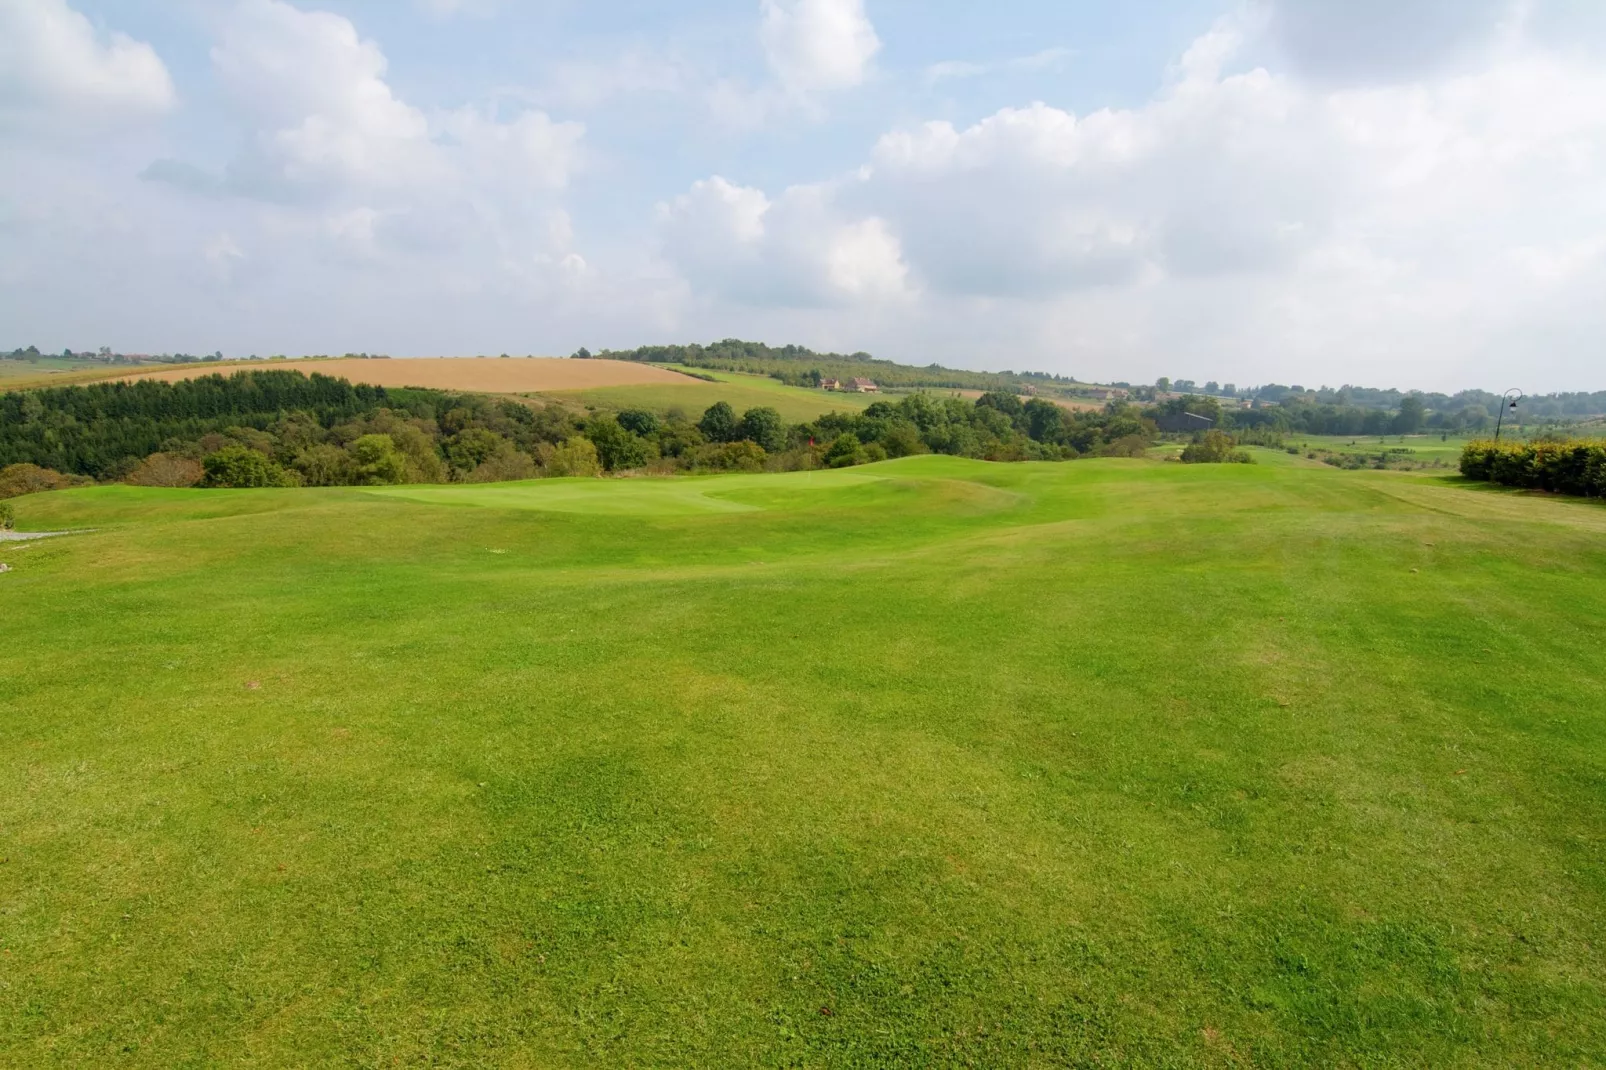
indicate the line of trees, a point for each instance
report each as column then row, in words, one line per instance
column 281, row 428
column 1464, row 409
column 799, row 366
column 1300, row 416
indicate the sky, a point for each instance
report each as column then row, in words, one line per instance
column 1403, row 193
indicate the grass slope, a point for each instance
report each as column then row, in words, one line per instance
column 930, row 763
column 742, row 392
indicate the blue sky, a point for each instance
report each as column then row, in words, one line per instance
column 1323, row 191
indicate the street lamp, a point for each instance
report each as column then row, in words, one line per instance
column 1503, row 406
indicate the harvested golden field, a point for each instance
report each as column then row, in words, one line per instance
column 490, row 375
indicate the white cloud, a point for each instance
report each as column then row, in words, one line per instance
column 1036, row 61
column 329, row 133
column 56, row 68
column 1241, row 222
column 818, row 45
column 316, row 94
column 796, row 251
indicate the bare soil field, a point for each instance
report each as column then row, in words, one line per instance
column 491, row 375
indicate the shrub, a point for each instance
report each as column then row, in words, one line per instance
column 1215, row 447
column 618, row 448
column 902, row 439
column 1577, row 468
column 743, row 456
column 509, row 467
column 765, row 427
column 19, row 479
column 8, row 516
column 576, row 457
column 472, row 447
column 377, row 462
column 845, row 452
column 639, row 422
column 1127, row 446
column 166, row 470
column 719, row 423
column 323, row 465
column 241, row 466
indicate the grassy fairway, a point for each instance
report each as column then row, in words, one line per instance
column 741, row 392
column 929, row 763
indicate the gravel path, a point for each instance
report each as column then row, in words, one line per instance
column 29, row 536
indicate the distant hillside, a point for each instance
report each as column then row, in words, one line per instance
column 799, row 366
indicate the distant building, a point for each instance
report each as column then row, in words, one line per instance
column 830, row 384
column 861, row 386
column 1107, row 394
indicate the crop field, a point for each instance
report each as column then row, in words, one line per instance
column 18, row 369
column 741, row 392
column 611, row 384
column 48, row 371
column 927, row 763
column 485, row 375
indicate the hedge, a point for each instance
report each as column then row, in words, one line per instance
column 1563, row 467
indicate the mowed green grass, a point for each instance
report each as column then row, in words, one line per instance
column 931, row 763
column 741, row 392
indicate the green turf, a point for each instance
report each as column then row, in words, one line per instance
column 742, row 392
column 1109, row 763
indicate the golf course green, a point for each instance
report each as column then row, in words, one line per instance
column 934, row 762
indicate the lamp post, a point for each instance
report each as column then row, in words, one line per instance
column 1513, row 406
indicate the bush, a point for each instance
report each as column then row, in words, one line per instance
column 719, row 423
column 323, row 465
column 510, row 467
column 576, row 457
column 902, row 439
column 1215, row 447
column 743, row 456
column 845, row 452
column 765, row 427
column 639, row 422
column 166, row 470
column 1577, row 468
column 377, row 462
column 19, row 479
column 8, row 516
column 1127, row 446
column 618, row 448
column 241, row 466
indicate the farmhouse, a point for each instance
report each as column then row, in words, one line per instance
column 1100, row 393
column 830, row 384
column 861, row 386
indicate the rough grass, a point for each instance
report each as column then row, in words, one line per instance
column 946, row 763
column 741, row 392
column 1424, row 448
